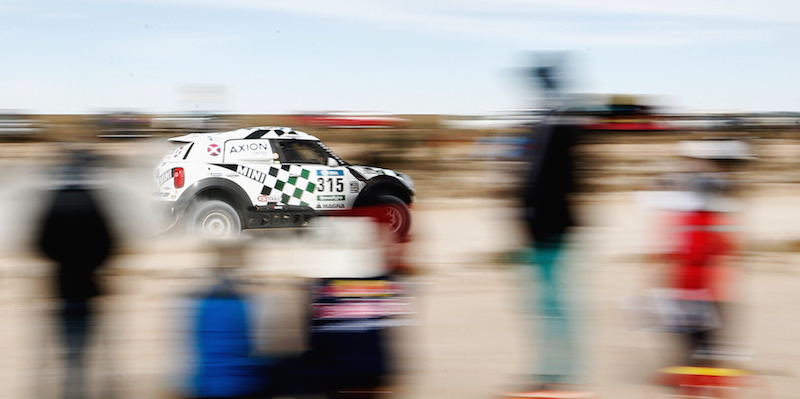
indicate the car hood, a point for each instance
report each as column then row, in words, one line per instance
column 370, row 172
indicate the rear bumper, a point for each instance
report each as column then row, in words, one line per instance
column 166, row 212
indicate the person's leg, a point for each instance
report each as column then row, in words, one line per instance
column 75, row 330
column 556, row 359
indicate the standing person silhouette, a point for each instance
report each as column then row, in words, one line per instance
column 549, row 215
column 75, row 234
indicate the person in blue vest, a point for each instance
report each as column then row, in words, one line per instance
column 227, row 366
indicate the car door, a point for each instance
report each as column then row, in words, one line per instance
column 253, row 162
column 311, row 181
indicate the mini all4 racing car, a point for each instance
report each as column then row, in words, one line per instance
column 218, row 184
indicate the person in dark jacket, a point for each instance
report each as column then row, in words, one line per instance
column 75, row 234
column 353, row 299
column 548, row 217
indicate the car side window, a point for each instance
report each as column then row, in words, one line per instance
column 297, row 151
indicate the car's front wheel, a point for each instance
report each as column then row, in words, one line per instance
column 395, row 213
column 214, row 220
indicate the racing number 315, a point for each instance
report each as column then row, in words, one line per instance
column 336, row 183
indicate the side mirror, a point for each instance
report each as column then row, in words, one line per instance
column 332, row 162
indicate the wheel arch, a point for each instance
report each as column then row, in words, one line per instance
column 383, row 185
column 216, row 189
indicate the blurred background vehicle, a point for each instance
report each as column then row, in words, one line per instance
column 191, row 122
column 350, row 119
column 19, row 125
column 498, row 120
column 122, row 124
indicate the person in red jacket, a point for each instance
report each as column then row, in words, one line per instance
column 699, row 277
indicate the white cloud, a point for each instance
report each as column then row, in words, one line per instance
column 549, row 22
column 732, row 10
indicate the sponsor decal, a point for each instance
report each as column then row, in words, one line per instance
column 353, row 187
column 330, row 198
column 358, row 305
column 334, row 172
column 251, row 173
column 359, row 288
column 361, row 325
column 268, row 198
column 360, row 309
column 214, row 150
column 237, row 148
column 165, row 177
column 331, row 206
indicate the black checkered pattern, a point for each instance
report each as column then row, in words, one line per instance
column 291, row 183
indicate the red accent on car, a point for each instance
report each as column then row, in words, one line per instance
column 178, row 177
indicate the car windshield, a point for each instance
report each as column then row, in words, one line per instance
column 332, row 154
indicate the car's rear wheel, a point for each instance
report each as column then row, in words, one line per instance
column 214, row 220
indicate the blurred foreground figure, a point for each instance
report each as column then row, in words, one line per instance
column 702, row 233
column 352, row 296
column 696, row 298
column 697, row 275
column 226, row 365
column 548, row 216
column 76, row 235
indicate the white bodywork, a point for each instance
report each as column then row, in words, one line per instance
column 257, row 160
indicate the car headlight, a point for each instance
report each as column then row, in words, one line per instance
column 408, row 179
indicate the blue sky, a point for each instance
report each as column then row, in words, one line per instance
column 404, row 56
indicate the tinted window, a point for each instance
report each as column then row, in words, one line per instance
column 297, row 151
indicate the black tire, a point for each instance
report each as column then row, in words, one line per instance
column 213, row 220
column 395, row 213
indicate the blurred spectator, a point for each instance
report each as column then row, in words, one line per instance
column 703, row 246
column 701, row 242
column 351, row 298
column 226, row 365
column 548, row 216
column 76, row 235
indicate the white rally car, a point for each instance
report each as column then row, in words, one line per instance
column 217, row 184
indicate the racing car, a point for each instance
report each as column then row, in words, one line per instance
column 217, row 184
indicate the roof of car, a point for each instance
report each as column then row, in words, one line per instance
column 261, row 132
